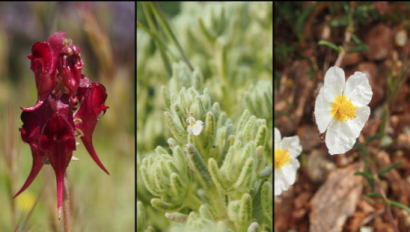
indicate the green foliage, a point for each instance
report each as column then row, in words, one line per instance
column 400, row 205
column 330, row 45
column 189, row 176
column 389, row 168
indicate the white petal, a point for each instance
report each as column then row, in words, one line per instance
column 290, row 170
column 293, row 144
column 278, row 137
column 286, row 176
column 334, row 83
column 356, row 124
column 358, row 89
column 189, row 129
column 322, row 111
column 197, row 129
column 200, row 122
column 339, row 137
column 191, row 120
column 279, row 184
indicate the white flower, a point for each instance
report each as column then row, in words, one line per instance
column 195, row 126
column 286, row 164
column 341, row 108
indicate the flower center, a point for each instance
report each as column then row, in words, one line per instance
column 343, row 109
column 281, row 158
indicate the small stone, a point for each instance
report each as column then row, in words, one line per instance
column 401, row 38
column 302, row 200
column 308, row 137
column 352, row 58
column 378, row 40
column 366, row 229
column 319, row 166
column 403, row 141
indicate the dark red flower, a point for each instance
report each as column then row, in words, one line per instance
column 69, row 67
column 49, row 126
column 92, row 97
column 49, row 130
column 43, row 63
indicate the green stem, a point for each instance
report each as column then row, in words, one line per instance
column 153, row 27
column 66, row 206
column 155, row 37
column 165, row 25
column 217, row 201
column 193, row 202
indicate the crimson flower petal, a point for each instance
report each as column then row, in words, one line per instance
column 33, row 123
column 69, row 67
column 58, row 141
column 89, row 112
column 35, row 169
column 49, row 130
column 56, row 41
column 43, row 63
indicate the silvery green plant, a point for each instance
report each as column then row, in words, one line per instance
column 201, row 220
column 223, row 162
column 259, row 100
column 182, row 76
column 141, row 216
column 232, row 49
column 230, row 43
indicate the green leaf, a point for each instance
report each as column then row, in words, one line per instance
column 384, row 117
column 245, row 210
column 374, row 137
column 368, row 176
column 210, row 35
column 329, row 44
column 299, row 25
column 244, row 176
column 340, row 22
column 177, row 217
column 217, row 176
column 152, row 25
column 178, row 133
column 365, row 174
column 141, row 216
column 282, row 51
column 167, row 28
column 205, row 212
column 361, row 148
column 266, row 195
column 154, row 36
column 265, row 173
column 355, row 39
column 261, row 136
column 198, row 165
column 303, row 160
column 385, row 170
column 378, row 195
column 358, row 48
column 165, row 206
column 399, row 205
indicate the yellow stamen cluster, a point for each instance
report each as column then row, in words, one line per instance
column 281, row 158
column 343, row 109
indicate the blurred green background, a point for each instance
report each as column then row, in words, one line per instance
column 104, row 31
